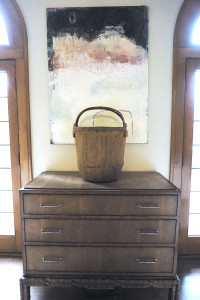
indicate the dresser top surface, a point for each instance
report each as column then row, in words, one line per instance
column 127, row 181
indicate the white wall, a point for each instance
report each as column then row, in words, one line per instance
column 138, row 157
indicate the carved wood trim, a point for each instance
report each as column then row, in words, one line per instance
column 106, row 283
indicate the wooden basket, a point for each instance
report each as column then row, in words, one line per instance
column 100, row 150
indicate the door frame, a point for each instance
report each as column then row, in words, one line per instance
column 182, row 51
column 17, row 51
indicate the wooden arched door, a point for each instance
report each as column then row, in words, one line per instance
column 15, row 139
column 185, row 146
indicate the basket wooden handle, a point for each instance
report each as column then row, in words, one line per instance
column 102, row 108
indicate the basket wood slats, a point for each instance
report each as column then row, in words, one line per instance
column 100, row 150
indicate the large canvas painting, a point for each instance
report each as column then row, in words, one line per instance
column 98, row 56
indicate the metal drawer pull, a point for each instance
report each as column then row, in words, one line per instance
column 147, row 260
column 52, row 260
column 51, row 231
column 146, row 232
column 148, row 205
column 51, row 206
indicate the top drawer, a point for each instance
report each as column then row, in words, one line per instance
column 110, row 205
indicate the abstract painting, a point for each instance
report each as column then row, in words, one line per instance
column 98, row 56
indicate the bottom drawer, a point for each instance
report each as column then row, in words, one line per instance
column 74, row 260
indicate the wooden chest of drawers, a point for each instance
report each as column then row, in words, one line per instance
column 73, row 229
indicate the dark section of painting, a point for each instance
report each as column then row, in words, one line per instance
column 89, row 23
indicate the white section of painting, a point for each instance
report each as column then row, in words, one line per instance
column 85, row 75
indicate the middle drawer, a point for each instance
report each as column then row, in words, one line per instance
column 100, row 231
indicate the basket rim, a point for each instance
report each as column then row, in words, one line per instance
column 102, row 129
column 93, row 128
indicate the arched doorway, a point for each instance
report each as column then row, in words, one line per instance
column 15, row 140
column 185, row 145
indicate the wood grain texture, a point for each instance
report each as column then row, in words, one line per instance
column 99, row 202
column 93, row 231
column 107, row 261
column 128, row 180
column 125, row 229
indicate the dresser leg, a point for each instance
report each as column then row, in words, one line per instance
column 27, row 295
column 115, row 294
column 173, row 293
column 24, row 290
column 177, row 291
column 21, row 289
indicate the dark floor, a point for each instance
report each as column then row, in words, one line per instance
column 11, row 270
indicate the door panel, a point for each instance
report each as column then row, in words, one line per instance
column 9, row 162
column 190, row 216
